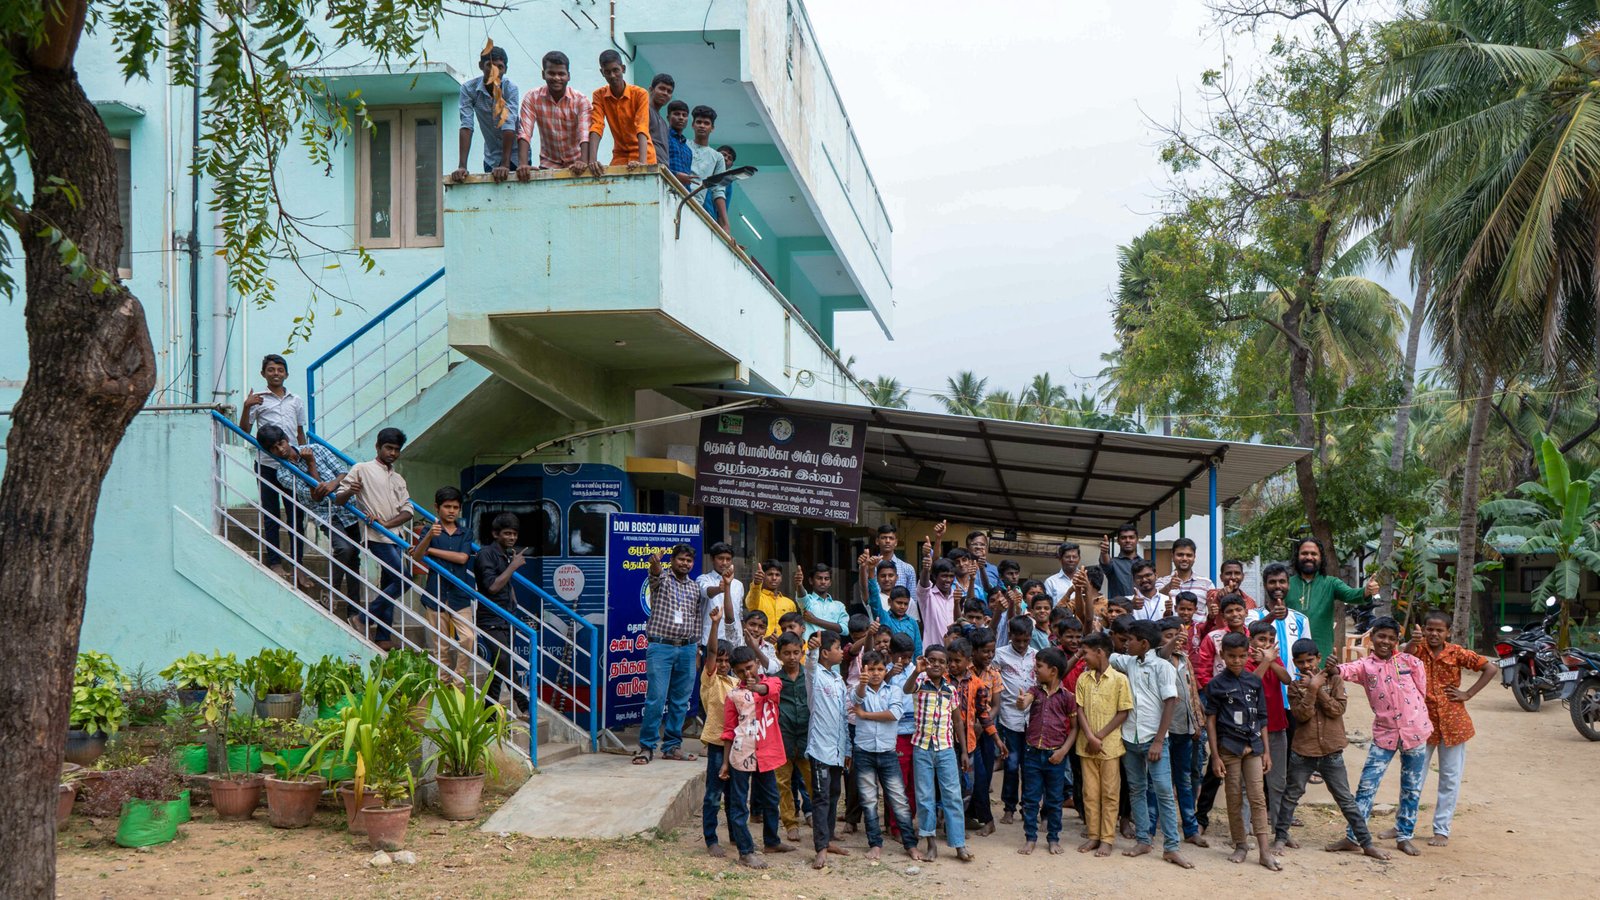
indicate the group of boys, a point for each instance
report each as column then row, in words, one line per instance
column 913, row 697
column 648, row 127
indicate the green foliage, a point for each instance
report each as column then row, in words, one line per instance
column 146, row 699
column 1556, row 516
column 244, row 728
column 274, row 671
column 309, row 764
column 465, row 728
column 194, row 671
column 284, row 734
column 410, row 670
column 887, row 392
column 379, row 734
column 97, row 686
column 329, row 679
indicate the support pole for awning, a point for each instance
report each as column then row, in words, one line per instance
column 1152, row 535
column 1183, row 512
column 1211, row 479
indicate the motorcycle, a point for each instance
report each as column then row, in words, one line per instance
column 1528, row 662
column 1581, row 691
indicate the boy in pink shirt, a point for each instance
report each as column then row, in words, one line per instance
column 754, row 754
column 1397, row 688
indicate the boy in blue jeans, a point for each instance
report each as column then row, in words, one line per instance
column 939, row 753
column 716, row 681
column 877, row 705
column 1052, row 714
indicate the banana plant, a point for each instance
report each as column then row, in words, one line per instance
column 1556, row 515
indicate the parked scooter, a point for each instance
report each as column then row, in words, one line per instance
column 1581, row 691
column 1528, row 662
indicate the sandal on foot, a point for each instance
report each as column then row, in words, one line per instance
column 677, row 755
column 644, row 756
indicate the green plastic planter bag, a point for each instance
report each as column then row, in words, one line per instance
column 336, row 771
column 192, row 759
column 185, row 810
column 145, row 823
column 332, row 712
column 292, row 757
column 244, row 758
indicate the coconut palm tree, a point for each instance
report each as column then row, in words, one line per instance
column 1487, row 115
column 1044, row 397
column 964, row 394
column 1002, row 405
column 887, row 392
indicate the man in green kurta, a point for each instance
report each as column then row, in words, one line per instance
column 1314, row 593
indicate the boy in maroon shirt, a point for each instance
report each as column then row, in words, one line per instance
column 1052, row 717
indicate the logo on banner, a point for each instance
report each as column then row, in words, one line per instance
column 729, row 423
column 782, row 430
column 841, row 434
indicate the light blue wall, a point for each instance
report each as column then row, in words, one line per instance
column 332, row 288
column 161, row 584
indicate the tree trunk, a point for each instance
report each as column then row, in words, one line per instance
column 1467, row 533
column 1402, row 425
column 90, row 368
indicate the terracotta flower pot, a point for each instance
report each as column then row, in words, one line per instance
column 355, row 819
column 386, row 826
column 291, row 802
column 236, row 797
column 460, row 797
column 68, row 793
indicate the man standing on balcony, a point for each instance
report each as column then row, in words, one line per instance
column 662, row 88
column 276, row 406
column 677, row 611
column 626, row 107
column 705, row 162
column 491, row 100
column 563, row 120
column 383, row 495
column 680, row 159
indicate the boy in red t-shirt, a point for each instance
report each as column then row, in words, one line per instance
column 754, row 754
column 1265, row 663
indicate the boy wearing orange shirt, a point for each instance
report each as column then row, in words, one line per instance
column 627, row 108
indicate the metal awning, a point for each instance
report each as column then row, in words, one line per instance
column 1038, row 478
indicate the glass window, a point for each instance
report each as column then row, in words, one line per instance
column 399, row 181
column 122, row 154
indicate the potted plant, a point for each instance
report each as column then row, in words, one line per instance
column 191, row 674
column 234, row 795
column 274, row 677
column 330, row 761
column 292, row 795
column 328, row 682
column 286, row 740
column 152, row 803
column 380, row 739
column 146, row 698
column 465, row 728
column 242, row 743
column 97, row 707
column 414, row 676
column 183, row 738
column 67, row 792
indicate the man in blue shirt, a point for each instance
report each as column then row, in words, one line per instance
column 680, row 158
column 322, row 474
column 448, row 605
column 491, row 102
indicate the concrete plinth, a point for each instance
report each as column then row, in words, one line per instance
column 603, row 795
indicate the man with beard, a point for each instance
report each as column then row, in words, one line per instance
column 1119, row 568
column 1314, row 593
column 1147, row 602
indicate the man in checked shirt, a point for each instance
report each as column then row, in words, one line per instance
column 562, row 117
column 677, row 611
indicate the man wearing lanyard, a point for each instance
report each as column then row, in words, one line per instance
column 677, row 614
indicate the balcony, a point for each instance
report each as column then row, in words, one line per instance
column 580, row 291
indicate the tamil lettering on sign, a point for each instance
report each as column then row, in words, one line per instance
column 780, row 464
column 630, row 540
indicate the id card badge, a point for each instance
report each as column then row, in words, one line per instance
column 1238, row 717
column 677, row 617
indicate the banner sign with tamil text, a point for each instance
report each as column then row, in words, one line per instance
column 630, row 540
column 770, row 462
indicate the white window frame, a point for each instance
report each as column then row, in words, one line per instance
column 402, row 180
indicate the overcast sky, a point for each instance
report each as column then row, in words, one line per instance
column 1013, row 147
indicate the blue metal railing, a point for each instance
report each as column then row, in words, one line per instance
column 387, row 368
column 516, row 624
column 585, row 627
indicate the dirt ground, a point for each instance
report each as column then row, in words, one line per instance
column 1527, row 814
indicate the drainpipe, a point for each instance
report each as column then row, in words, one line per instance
column 194, row 233
column 219, row 316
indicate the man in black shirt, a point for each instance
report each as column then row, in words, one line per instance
column 1119, row 569
column 495, row 565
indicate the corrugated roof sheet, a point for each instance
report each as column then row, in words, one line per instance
column 1036, row 477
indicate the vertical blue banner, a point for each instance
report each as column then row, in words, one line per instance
column 630, row 540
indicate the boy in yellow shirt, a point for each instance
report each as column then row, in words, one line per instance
column 764, row 595
column 1104, row 702
column 715, row 682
